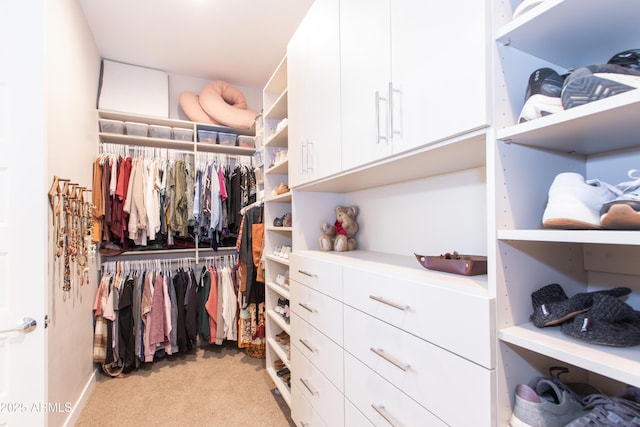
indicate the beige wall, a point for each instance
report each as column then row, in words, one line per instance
column 73, row 70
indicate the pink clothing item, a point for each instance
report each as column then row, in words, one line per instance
column 212, row 306
column 147, row 296
column 223, row 188
column 167, row 316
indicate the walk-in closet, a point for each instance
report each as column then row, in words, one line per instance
column 202, row 211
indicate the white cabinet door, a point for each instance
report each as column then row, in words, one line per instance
column 365, row 75
column 313, row 63
column 439, row 71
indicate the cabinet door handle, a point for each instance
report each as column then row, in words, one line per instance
column 310, row 155
column 307, row 273
column 402, row 307
column 303, row 157
column 306, row 344
column 307, row 307
column 309, row 387
column 380, row 409
column 392, row 91
column 378, row 135
column 380, row 352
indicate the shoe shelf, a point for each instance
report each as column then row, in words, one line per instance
column 279, row 139
column 278, row 259
column 556, row 30
column 582, row 130
column 279, row 168
column 280, row 198
column 285, row 391
column 279, row 320
column 286, row 230
column 611, row 237
column 280, row 290
column 279, row 351
column 622, row 364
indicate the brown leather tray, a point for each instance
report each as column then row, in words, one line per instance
column 467, row 265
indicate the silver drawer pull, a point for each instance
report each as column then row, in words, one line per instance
column 380, row 352
column 307, row 274
column 380, row 409
column 309, row 387
column 307, row 307
column 306, row 344
column 402, row 307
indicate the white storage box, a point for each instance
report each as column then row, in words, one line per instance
column 226, row 138
column 182, row 134
column 246, row 141
column 208, row 136
column 111, row 126
column 157, row 131
column 137, row 129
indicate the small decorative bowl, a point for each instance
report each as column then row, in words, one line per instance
column 466, row 265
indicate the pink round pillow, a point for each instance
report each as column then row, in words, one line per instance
column 227, row 105
column 191, row 108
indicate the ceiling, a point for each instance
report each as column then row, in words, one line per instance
column 239, row 41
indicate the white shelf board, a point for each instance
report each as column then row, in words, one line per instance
column 279, row 139
column 279, row 320
column 622, row 364
column 279, row 351
column 455, row 154
column 144, row 141
column 284, row 390
column 612, row 237
column 605, row 125
column 281, row 198
column 573, row 33
column 279, row 108
column 286, row 230
column 280, row 168
column 278, row 259
column 284, row 293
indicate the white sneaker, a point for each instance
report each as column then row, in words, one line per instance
column 623, row 213
column 574, row 203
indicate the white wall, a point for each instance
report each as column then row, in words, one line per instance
column 73, row 71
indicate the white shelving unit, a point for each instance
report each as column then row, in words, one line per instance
column 598, row 140
column 275, row 135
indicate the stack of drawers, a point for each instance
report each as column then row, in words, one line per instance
column 371, row 346
column 316, row 342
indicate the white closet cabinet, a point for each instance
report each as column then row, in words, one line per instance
column 412, row 73
column 598, row 140
column 314, row 95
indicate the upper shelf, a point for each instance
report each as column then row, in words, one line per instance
column 465, row 152
column 605, row 125
column 553, row 29
column 612, row 237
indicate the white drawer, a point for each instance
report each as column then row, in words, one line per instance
column 322, row 312
column 353, row 417
column 302, row 413
column 321, row 275
column 325, row 354
column 456, row 320
column 382, row 403
column 324, row 397
column 432, row 376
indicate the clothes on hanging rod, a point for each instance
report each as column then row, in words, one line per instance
column 165, row 199
column 147, row 309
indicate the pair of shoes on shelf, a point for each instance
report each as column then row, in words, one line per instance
column 280, row 189
column 282, row 308
column 574, row 203
column 283, row 280
column 550, row 402
column 549, row 92
column 599, row 317
column 282, row 251
column 283, row 338
column 283, row 221
column 278, row 364
column 283, row 371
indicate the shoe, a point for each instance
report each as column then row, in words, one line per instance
column 278, row 364
column 609, row 322
column 546, row 402
column 628, row 58
column 286, row 220
column 277, row 222
column 543, row 95
column 280, row 189
column 623, row 213
column 574, row 203
column 621, row 410
column 551, row 306
column 525, row 6
column 594, row 82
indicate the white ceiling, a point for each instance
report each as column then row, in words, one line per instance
column 239, row 41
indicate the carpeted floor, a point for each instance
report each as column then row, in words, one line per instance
column 217, row 386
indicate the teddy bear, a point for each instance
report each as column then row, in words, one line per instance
column 340, row 236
